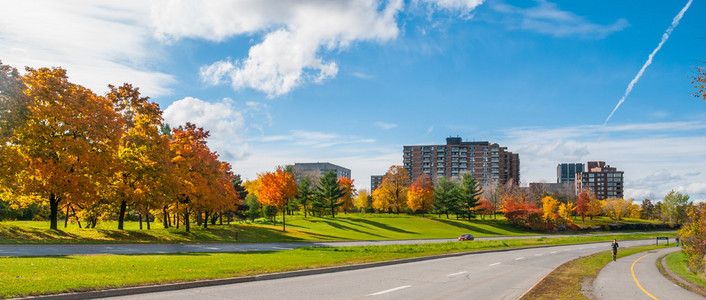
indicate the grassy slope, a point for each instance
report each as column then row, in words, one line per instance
column 678, row 263
column 343, row 227
column 40, row 275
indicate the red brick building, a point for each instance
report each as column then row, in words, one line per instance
column 604, row 180
column 487, row 162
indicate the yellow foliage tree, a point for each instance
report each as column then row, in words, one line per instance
column 549, row 207
column 565, row 210
column 615, row 208
column 595, row 207
column 420, row 196
column 362, row 202
column 392, row 193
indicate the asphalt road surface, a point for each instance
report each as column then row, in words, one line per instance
column 495, row 275
column 619, row 279
column 82, row 249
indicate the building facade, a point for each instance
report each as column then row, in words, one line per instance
column 487, row 162
column 566, row 172
column 603, row 180
column 318, row 169
column 375, row 182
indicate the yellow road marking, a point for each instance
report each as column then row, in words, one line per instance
column 635, row 278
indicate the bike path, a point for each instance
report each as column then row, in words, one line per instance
column 637, row 277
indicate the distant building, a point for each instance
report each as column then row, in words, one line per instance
column 604, row 180
column 375, row 182
column 319, row 169
column 487, row 162
column 566, row 188
column 566, row 172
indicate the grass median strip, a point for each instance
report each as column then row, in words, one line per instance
column 679, row 264
column 566, row 280
column 21, row 276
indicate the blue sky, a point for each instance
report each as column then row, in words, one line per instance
column 351, row 82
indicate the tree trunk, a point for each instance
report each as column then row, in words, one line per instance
column 76, row 216
column 199, row 218
column 66, row 219
column 205, row 221
column 139, row 216
column 165, row 222
column 147, row 219
column 220, row 218
column 284, row 223
column 186, row 221
column 53, row 211
column 333, row 213
column 121, row 215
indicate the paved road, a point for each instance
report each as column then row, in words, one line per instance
column 495, row 275
column 80, row 249
column 616, row 280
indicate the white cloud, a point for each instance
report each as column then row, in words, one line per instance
column 464, row 7
column 362, row 75
column 383, row 125
column 295, row 36
column 222, row 119
column 98, row 42
column 547, row 18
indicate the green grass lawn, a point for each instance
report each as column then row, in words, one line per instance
column 343, row 227
column 601, row 220
column 22, row 276
column 679, row 264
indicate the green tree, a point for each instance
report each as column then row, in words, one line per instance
column 674, row 206
column 305, row 194
column 647, row 210
column 469, row 192
column 445, row 197
column 330, row 191
column 253, row 207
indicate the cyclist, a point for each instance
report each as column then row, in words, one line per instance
column 615, row 246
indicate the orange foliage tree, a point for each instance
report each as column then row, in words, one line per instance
column 276, row 188
column 420, row 196
column 582, row 205
column 485, row 207
column 65, row 142
column 346, row 202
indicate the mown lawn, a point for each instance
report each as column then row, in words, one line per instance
column 343, row 227
column 679, row 264
column 21, row 276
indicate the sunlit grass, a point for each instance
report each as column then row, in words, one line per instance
column 679, row 264
column 21, row 276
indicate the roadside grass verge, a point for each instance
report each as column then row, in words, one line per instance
column 566, row 280
column 679, row 264
column 24, row 276
column 350, row 226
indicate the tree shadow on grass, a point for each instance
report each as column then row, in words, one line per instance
column 324, row 236
column 382, row 226
column 347, row 228
column 468, row 226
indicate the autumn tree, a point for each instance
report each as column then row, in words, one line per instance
column 329, row 191
column 582, row 205
column 362, row 201
column 693, row 237
column 485, row 207
column 595, row 206
column 420, row 195
column 565, row 210
column 276, row 188
column 549, row 208
column 617, row 208
column 392, row 193
column 65, row 142
column 468, row 195
column 674, row 206
column 445, row 197
column 346, row 201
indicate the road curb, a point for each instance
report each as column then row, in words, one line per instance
column 214, row 282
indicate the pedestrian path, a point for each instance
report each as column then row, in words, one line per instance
column 637, row 277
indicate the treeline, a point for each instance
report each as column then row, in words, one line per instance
column 63, row 147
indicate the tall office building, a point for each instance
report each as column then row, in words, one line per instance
column 604, row 180
column 566, row 172
column 487, row 162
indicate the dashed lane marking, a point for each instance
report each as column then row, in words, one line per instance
column 458, row 273
column 495, row 264
column 390, row 290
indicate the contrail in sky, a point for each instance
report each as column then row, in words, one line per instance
column 665, row 36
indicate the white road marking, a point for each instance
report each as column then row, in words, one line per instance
column 519, row 258
column 390, row 290
column 495, row 264
column 552, row 252
column 538, row 254
column 459, row 273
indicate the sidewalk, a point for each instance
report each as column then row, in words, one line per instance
column 616, row 280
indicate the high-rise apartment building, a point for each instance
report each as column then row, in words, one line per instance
column 487, row 162
column 375, row 182
column 566, row 172
column 604, row 180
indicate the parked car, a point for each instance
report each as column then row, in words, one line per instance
column 465, row 237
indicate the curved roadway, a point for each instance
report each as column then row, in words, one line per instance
column 495, row 275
